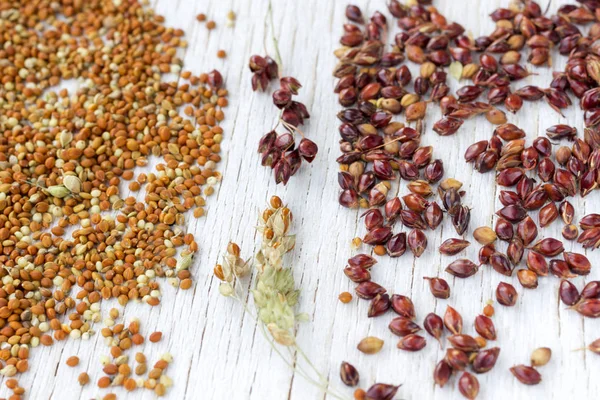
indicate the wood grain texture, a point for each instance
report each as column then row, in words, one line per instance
column 219, row 352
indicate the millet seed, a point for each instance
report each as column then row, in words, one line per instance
column 360, row 394
column 63, row 160
column 155, row 337
column 345, row 297
column 103, row 382
column 83, row 378
column 72, row 361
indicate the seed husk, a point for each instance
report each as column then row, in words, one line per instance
column 468, row 385
column 439, row 287
column 589, row 238
column 501, row 264
column 353, row 13
column 403, row 326
column 560, row 269
column 453, row 320
column 509, row 176
column 434, row 325
column 541, row 356
column 381, row 391
column 591, row 290
column 537, row 263
column 433, row 215
column 462, row 268
column 378, row 236
column 396, row 246
column 595, row 346
column 526, row 375
column 403, row 306
column 527, row 278
column 453, row 246
column 567, row 212
column 451, row 183
column 527, row 230
column 496, row 116
column 485, row 327
column 570, row 232
column 568, row 293
column 362, row 261
column 589, row 308
column 461, row 218
column 549, row 247
column 513, row 213
column 370, row 345
column 590, row 221
column 464, row 342
column 484, row 235
column 433, row 173
column 379, row 305
column 457, row 359
column 417, row 242
column 412, row 342
column 504, row 229
column 416, row 111
column 506, row 294
column 485, row 253
column 442, row 373
column 368, row 290
column 373, row 219
column 548, row 214
column 357, row 274
column 348, row 374
column 421, row 187
column 578, row 263
column 475, row 150
column 485, row 360
column 412, row 219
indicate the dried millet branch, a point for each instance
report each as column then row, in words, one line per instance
column 279, row 150
column 275, row 294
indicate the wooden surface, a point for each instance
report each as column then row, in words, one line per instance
column 218, row 351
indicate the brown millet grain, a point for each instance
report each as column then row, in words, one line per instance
column 103, row 382
column 155, row 337
column 11, row 383
column 65, row 153
column 83, row 378
column 72, row 361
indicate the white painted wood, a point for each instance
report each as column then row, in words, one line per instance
column 218, row 351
